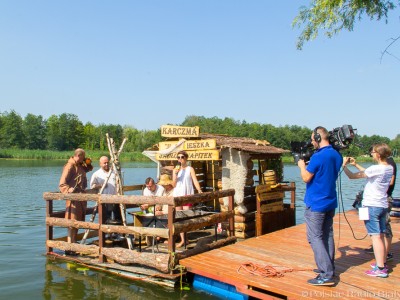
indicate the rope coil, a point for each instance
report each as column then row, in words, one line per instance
column 265, row 271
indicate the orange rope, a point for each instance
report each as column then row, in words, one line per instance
column 265, row 271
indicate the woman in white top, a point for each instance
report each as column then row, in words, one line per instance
column 183, row 179
column 375, row 198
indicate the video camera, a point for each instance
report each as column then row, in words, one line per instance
column 302, row 150
column 340, row 138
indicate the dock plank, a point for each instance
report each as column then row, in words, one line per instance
column 288, row 248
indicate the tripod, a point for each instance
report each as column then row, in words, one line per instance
column 116, row 167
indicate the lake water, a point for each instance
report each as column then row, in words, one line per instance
column 26, row 273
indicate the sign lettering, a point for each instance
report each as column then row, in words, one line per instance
column 193, row 155
column 179, row 131
column 190, row 145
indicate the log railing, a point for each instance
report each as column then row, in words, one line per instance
column 175, row 226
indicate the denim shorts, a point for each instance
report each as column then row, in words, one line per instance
column 377, row 220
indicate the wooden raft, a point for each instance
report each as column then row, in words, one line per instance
column 288, row 249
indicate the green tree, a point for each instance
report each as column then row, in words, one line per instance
column 34, row 128
column 140, row 140
column 366, row 142
column 65, row 132
column 53, row 136
column 115, row 132
column 91, row 136
column 395, row 145
column 333, row 16
column 11, row 133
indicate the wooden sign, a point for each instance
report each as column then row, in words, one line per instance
column 193, row 155
column 190, row 145
column 179, row 131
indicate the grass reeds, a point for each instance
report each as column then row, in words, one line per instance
column 48, row 154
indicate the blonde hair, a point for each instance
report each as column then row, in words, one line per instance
column 383, row 150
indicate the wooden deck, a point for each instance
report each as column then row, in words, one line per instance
column 288, row 249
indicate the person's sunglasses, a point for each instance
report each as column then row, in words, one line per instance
column 180, row 156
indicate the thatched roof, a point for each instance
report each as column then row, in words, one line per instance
column 244, row 144
column 250, row 145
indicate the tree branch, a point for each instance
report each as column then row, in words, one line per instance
column 394, row 40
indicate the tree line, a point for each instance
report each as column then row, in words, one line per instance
column 66, row 132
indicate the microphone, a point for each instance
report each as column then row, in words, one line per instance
column 178, row 166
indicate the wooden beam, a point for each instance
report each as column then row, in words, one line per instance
column 159, row 261
column 83, row 249
column 207, row 196
column 61, row 222
column 200, row 222
column 161, row 232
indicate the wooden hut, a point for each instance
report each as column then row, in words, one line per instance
column 252, row 167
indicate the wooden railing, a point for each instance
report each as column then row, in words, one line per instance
column 165, row 262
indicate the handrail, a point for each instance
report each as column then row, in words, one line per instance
column 138, row 200
column 175, row 226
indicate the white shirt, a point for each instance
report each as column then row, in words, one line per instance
column 99, row 177
column 378, row 180
column 184, row 184
column 159, row 191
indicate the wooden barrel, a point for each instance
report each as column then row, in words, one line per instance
column 395, row 214
column 396, row 202
column 269, row 177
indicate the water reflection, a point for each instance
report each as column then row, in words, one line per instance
column 73, row 281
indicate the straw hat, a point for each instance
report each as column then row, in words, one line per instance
column 165, row 179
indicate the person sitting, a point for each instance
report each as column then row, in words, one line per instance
column 152, row 189
column 166, row 182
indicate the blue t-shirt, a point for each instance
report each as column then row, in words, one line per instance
column 321, row 194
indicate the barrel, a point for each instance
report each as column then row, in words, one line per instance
column 269, row 177
column 395, row 208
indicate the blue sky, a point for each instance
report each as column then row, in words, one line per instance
column 149, row 63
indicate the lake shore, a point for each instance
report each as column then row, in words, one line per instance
column 25, row 154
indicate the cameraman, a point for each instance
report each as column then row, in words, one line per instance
column 375, row 198
column 320, row 199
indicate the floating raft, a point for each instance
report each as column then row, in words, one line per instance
column 130, row 272
column 288, row 252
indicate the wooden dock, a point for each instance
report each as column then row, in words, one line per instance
column 287, row 250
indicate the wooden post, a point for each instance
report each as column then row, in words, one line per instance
column 49, row 229
column 102, row 235
column 232, row 219
column 260, row 174
column 293, row 195
column 171, row 221
column 293, row 200
column 258, row 217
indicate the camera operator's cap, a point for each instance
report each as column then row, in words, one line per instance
column 165, row 179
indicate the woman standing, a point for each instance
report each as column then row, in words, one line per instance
column 375, row 198
column 183, row 179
